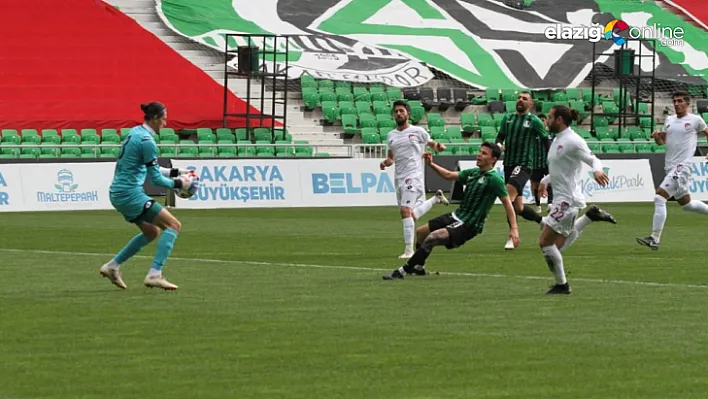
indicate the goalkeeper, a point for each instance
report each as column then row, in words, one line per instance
column 136, row 160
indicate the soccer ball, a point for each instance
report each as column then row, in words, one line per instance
column 190, row 186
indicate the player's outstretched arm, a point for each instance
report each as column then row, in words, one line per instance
column 435, row 145
column 444, row 173
column 511, row 217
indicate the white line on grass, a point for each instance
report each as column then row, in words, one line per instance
column 310, row 266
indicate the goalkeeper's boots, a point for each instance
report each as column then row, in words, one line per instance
column 113, row 275
column 159, row 282
column 559, row 289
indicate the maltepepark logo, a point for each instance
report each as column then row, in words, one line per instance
column 618, row 31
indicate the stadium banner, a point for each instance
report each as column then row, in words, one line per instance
column 55, row 186
column 288, row 183
column 356, row 182
column 485, row 44
column 631, row 180
column 11, row 198
column 699, row 178
column 242, row 183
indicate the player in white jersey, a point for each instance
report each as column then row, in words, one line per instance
column 406, row 145
column 681, row 136
column 560, row 228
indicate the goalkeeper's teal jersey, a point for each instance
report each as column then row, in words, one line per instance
column 137, row 159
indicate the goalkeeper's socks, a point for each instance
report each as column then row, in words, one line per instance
column 135, row 245
column 164, row 248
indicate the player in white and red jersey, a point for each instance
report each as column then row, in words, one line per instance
column 560, row 228
column 406, row 145
column 681, row 136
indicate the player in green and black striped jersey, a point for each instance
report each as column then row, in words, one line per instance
column 540, row 168
column 518, row 137
column 483, row 186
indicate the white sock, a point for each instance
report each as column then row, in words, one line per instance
column 578, row 228
column 154, row 273
column 659, row 217
column 696, row 206
column 425, row 207
column 555, row 263
column 408, row 232
column 113, row 265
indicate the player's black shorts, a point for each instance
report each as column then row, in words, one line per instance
column 517, row 176
column 538, row 174
column 459, row 232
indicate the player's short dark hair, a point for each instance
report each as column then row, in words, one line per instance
column 526, row 92
column 566, row 113
column 542, row 116
column 496, row 151
column 681, row 93
column 152, row 110
column 401, row 103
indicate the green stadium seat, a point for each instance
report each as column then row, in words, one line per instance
column 349, row 123
column 70, row 152
column 91, row 138
column 49, row 132
column 226, row 137
column 50, row 149
column 111, row 139
column 493, row 94
column 438, row 132
column 311, row 100
column 330, row 111
column 385, row 123
column 325, row 83
column 485, row 119
column 347, row 108
column 435, row 119
column 88, row 132
column 167, row 131
column 497, row 119
column 124, row 131
column 367, row 120
column 417, row 114
column 468, row 122
column 339, row 84
column 393, row 94
column 368, row 138
column 69, row 132
column 610, row 149
column 584, row 133
column 31, row 139
column 644, row 148
column 71, row 138
column 595, row 148
column 361, row 94
column 207, row 149
column 381, row 107
column 226, row 152
column 510, row 106
column 188, row 149
column 344, row 94
column 658, row 148
column 30, row 149
column 241, row 135
column 379, row 96
column 10, row 132
column 109, row 152
column 5, row 149
column 509, row 94
column 453, row 133
column 327, row 96
column 559, row 96
column 105, row 132
column 626, row 148
column 574, row 94
column 488, row 133
column 29, row 156
column 363, row 107
column 281, row 135
column 263, row 134
column 285, row 151
column 705, row 116
column 28, row 132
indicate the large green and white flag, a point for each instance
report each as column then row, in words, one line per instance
column 483, row 43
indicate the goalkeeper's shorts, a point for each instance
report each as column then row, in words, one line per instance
column 136, row 207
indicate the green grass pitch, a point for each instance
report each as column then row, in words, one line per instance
column 289, row 303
